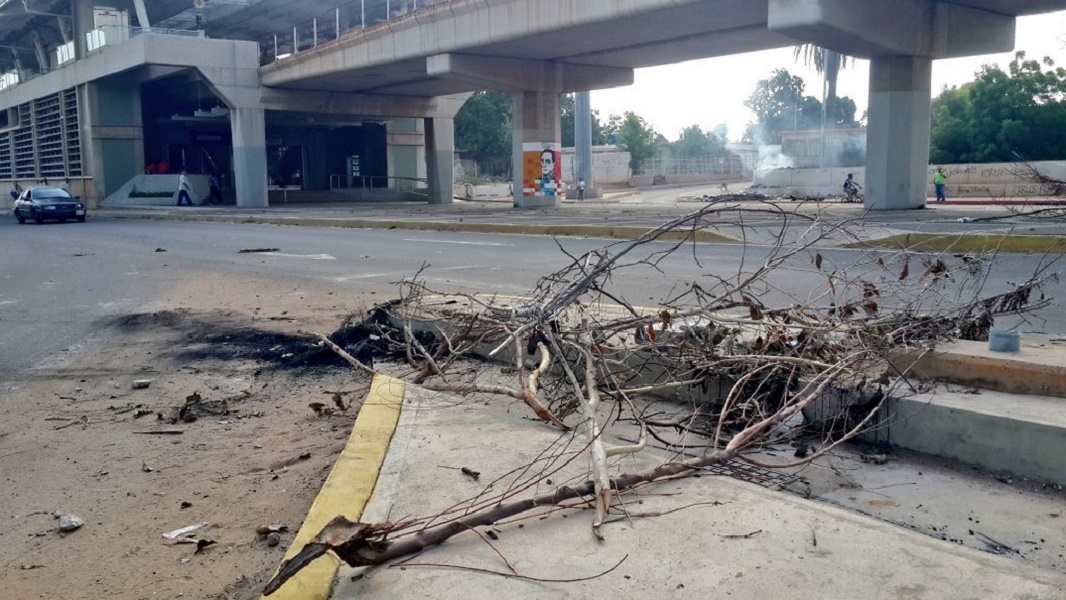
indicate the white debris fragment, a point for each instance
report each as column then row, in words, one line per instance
column 70, row 523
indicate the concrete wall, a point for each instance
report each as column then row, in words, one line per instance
column 609, row 166
column 842, row 148
column 985, row 180
column 682, row 178
column 200, row 185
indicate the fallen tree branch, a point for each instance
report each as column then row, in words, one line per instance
column 362, row 544
column 340, row 352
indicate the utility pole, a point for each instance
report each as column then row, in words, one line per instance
column 583, row 143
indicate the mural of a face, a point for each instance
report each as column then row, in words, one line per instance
column 547, row 164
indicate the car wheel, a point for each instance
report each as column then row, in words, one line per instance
column 21, row 219
column 37, row 218
column 81, row 219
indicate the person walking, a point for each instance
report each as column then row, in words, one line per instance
column 216, row 190
column 183, row 189
column 580, row 189
column 940, row 181
column 16, row 191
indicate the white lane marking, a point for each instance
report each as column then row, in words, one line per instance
column 6, row 302
column 344, row 278
column 425, row 241
column 307, row 256
column 431, row 269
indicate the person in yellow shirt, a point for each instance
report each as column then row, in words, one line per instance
column 940, row 181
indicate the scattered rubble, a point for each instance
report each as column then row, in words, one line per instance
column 183, row 532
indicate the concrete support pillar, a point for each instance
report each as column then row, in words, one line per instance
column 405, row 141
column 112, row 136
column 142, row 15
column 18, row 64
column 583, row 146
column 897, row 147
column 440, row 160
column 248, row 126
column 83, row 22
column 64, row 25
column 41, row 53
column 536, row 139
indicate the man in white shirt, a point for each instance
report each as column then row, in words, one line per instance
column 183, row 189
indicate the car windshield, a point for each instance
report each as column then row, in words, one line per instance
column 50, row 194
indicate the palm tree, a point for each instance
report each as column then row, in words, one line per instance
column 828, row 62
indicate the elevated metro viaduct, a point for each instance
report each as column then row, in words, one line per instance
column 238, row 87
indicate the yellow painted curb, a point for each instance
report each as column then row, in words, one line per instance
column 348, row 487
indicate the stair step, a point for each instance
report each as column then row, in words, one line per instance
column 1032, row 370
column 1018, row 433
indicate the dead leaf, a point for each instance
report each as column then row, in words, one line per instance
column 755, row 313
column 906, row 270
column 818, row 261
column 664, row 315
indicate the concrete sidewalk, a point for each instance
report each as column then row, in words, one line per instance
column 726, row 539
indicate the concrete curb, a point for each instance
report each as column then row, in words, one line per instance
column 1033, row 371
column 600, row 231
column 349, row 486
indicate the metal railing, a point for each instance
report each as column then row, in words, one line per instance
column 354, row 16
column 339, row 182
column 95, row 40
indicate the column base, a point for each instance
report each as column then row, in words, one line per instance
column 536, row 201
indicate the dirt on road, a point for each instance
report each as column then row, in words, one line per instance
column 228, row 370
column 223, row 434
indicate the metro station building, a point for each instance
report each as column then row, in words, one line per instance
column 102, row 94
column 360, row 95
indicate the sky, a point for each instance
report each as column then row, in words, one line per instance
column 711, row 91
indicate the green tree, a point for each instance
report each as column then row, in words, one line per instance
column 779, row 105
column 845, row 114
column 1003, row 114
column 569, row 110
column 483, row 126
column 635, row 136
column 721, row 131
column 611, row 127
column 695, row 142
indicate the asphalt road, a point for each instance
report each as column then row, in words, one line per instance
column 57, row 281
